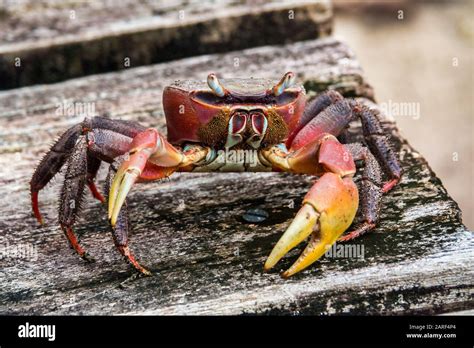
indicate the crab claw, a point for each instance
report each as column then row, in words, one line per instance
column 124, row 179
column 147, row 145
column 328, row 210
column 142, row 147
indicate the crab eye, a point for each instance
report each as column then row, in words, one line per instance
column 286, row 81
column 215, row 85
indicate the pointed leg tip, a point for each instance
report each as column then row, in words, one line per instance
column 112, row 221
column 35, row 206
column 270, row 262
column 139, row 268
column 95, row 192
column 87, row 257
column 286, row 274
column 300, row 228
column 344, row 239
column 38, row 217
column 125, row 251
column 74, row 244
column 141, row 271
column 390, row 185
column 146, row 272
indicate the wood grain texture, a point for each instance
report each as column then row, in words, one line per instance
column 61, row 39
column 188, row 230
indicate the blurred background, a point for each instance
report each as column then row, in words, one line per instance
column 427, row 58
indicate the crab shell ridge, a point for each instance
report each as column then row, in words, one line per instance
column 190, row 105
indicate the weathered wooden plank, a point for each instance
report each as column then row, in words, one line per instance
column 59, row 39
column 189, row 231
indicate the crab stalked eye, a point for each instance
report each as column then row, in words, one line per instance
column 215, row 85
column 286, row 81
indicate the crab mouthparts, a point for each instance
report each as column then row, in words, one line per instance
column 250, row 126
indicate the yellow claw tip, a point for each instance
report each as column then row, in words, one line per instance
column 110, row 211
column 300, row 228
column 120, row 188
column 111, row 207
column 291, row 272
column 270, row 263
column 113, row 221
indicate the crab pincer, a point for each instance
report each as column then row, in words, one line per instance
column 328, row 210
column 146, row 146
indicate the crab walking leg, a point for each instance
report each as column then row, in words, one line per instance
column 148, row 147
column 50, row 164
column 329, row 207
column 314, row 108
column 72, row 193
column 120, row 231
column 370, row 187
column 93, row 165
column 105, row 131
column 378, row 144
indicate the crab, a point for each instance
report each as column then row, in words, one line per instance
column 269, row 121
